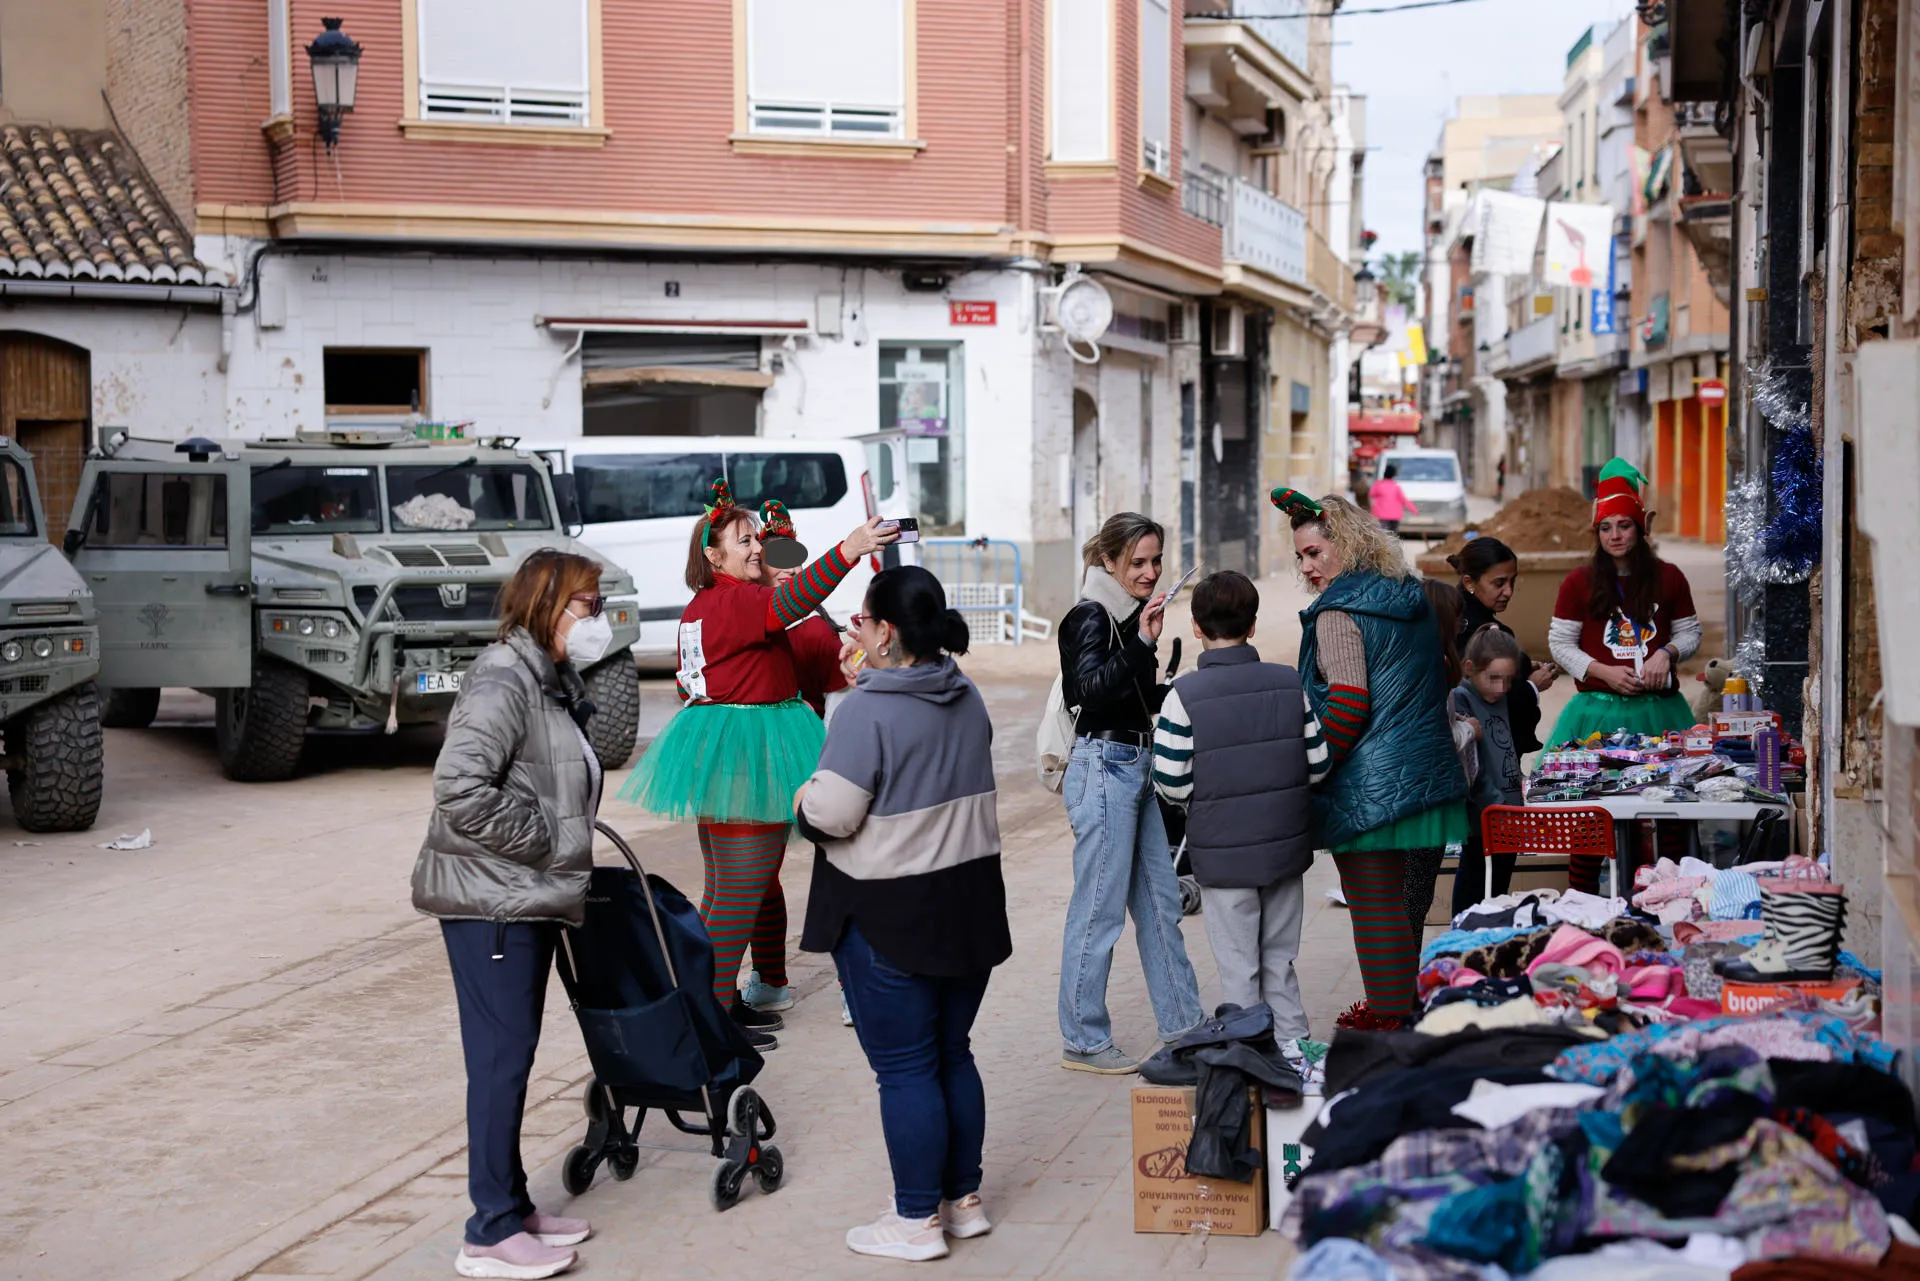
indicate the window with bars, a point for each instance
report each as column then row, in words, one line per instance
column 834, row 68
column 494, row 62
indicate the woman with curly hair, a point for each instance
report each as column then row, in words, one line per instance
column 1370, row 657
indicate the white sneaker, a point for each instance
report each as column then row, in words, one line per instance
column 965, row 1218
column 846, row 1012
column 892, row 1237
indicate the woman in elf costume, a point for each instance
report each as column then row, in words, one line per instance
column 1623, row 624
column 743, row 742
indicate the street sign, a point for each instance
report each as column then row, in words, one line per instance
column 1712, row 392
column 964, row 312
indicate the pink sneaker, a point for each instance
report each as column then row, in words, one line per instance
column 554, row 1230
column 521, row 1257
column 965, row 1218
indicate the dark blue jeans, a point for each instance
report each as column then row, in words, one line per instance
column 500, row 977
column 933, row 1109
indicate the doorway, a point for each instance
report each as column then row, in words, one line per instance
column 46, row 393
column 1086, row 468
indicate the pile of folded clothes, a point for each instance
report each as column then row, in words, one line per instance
column 1574, row 1102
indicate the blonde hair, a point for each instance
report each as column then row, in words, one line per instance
column 1115, row 540
column 1362, row 541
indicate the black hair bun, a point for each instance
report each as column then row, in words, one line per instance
column 955, row 635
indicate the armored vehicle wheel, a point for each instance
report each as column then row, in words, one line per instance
column 614, row 687
column 57, row 763
column 129, row 708
column 258, row 732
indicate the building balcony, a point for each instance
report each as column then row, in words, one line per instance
column 1236, row 69
column 1265, row 245
column 1707, row 222
column 1204, row 196
column 1280, row 30
column 1329, row 275
column 1530, row 349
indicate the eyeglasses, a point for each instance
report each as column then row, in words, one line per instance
column 595, row 603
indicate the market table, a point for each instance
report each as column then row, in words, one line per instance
column 1632, row 809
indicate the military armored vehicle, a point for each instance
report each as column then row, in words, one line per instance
column 338, row 582
column 49, row 656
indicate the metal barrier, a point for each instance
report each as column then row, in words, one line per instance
column 986, row 586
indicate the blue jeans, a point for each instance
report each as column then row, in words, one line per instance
column 1121, row 864
column 500, row 979
column 933, row 1109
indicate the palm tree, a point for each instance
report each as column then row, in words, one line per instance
column 1400, row 277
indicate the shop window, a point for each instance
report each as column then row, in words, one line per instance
column 921, row 398
column 364, row 380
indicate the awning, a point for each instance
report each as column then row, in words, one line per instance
column 1383, row 424
column 672, row 325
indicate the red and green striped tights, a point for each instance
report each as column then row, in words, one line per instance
column 743, row 905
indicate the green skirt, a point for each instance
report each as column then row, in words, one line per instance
column 728, row 763
column 1600, row 712
column 1433, row 829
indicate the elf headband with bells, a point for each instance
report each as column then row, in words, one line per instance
column 780, row 543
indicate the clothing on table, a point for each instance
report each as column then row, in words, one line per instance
column 1507, row 911
column 1255, row 936
column 903, row 807
column 500, row 973
column 742, row 864
column 915, row 1030
column 1388, row 501
column 1601, row 1063
column 1340, row 1259
column 1491, row 1106
column 1523, row 700
column 1458, row 1016
column 743, row 741
column 1356, row 1058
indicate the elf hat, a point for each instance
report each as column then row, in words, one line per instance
column 1618, row 493
column 779, row 541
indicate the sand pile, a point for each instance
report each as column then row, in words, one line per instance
column 1540, row 520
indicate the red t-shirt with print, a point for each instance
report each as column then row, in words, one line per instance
column 727, row 655
column 1613, row 639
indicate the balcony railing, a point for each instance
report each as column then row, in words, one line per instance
column 1204, row 196
column 1267, row 234
column 1282, row 24
column 1331, row 277
column 1531, row 343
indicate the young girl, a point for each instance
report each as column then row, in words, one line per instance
column 1491, row 666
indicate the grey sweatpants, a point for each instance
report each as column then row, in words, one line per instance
column 1255, row 934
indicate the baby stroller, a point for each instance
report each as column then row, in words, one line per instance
column 639, row 974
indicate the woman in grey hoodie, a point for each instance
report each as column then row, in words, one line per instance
column 907, row 896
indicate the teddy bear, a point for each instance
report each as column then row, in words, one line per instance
column 1705, row 701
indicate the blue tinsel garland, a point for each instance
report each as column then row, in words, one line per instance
column 1792, row 539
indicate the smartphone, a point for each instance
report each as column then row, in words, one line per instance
column 909, row 527
column 1184, row 580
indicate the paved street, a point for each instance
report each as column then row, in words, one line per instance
column 235, row 1053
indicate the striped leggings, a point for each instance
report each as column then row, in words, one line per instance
column 743, row 905
column 1375, row 885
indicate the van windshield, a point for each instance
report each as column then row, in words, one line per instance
column 1422, row 468
column 466, row 495
column 315, row 500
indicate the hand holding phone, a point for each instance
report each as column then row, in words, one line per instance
column 1183, row 581
column 909, row 527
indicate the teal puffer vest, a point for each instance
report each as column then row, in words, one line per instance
column 1404, row 763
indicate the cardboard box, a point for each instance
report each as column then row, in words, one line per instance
column 1168, row 1199
column 1286, row 1155
column 1752, row 998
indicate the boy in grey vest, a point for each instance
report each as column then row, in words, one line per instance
column 1238, row 745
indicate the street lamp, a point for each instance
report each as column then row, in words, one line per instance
column 336, row 68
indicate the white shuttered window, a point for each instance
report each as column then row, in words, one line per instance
column 1156, row 87
column 835, row 67
column 504, row 61
column 1081, row 88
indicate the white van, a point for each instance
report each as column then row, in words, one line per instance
column 1431, row 478
column 640, row 496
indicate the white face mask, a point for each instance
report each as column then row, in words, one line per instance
column 589, row 640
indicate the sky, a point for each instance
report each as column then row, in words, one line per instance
column 1413, row 66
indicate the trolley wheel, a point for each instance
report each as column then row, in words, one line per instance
column 737, row 1110
column 770, row 1169
column 576, row 1173
column 724, row 1190
column 622, row 1163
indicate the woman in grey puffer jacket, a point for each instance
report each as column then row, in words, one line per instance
column 505, row 864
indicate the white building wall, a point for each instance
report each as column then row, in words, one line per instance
column 155, row 370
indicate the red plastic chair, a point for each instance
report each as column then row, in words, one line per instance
column 1584, row 833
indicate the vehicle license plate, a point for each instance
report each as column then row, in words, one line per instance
column 437, row 683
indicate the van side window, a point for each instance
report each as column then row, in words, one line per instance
column 156, row 509
column 798, row 480
column 616, row 487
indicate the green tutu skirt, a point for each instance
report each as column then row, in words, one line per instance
column 728, row 763
column 1603, row 712
column 1432, row 829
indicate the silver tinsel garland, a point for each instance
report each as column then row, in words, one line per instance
column 1783, row 396
column 1750, row 659
column 1748, row 569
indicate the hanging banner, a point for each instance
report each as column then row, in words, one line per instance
column 1416, row 345
column 1579, row 245
column 1506, row 231
column 1603, row 298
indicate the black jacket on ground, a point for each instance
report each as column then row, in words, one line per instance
column 1107, row 670
column 1523, row 700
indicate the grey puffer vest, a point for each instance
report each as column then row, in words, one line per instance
column 511, row 837
column 1250, row 820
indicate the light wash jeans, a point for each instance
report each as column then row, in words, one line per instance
column 1121, row 864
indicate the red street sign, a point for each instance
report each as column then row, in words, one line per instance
column 972, row 313
column 1712, row 392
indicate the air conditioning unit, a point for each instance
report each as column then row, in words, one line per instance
column 1183, row 323
column 1229, row 330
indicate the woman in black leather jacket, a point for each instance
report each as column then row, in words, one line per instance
column 1121, row 863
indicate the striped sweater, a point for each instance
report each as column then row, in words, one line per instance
column 1173, row 750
